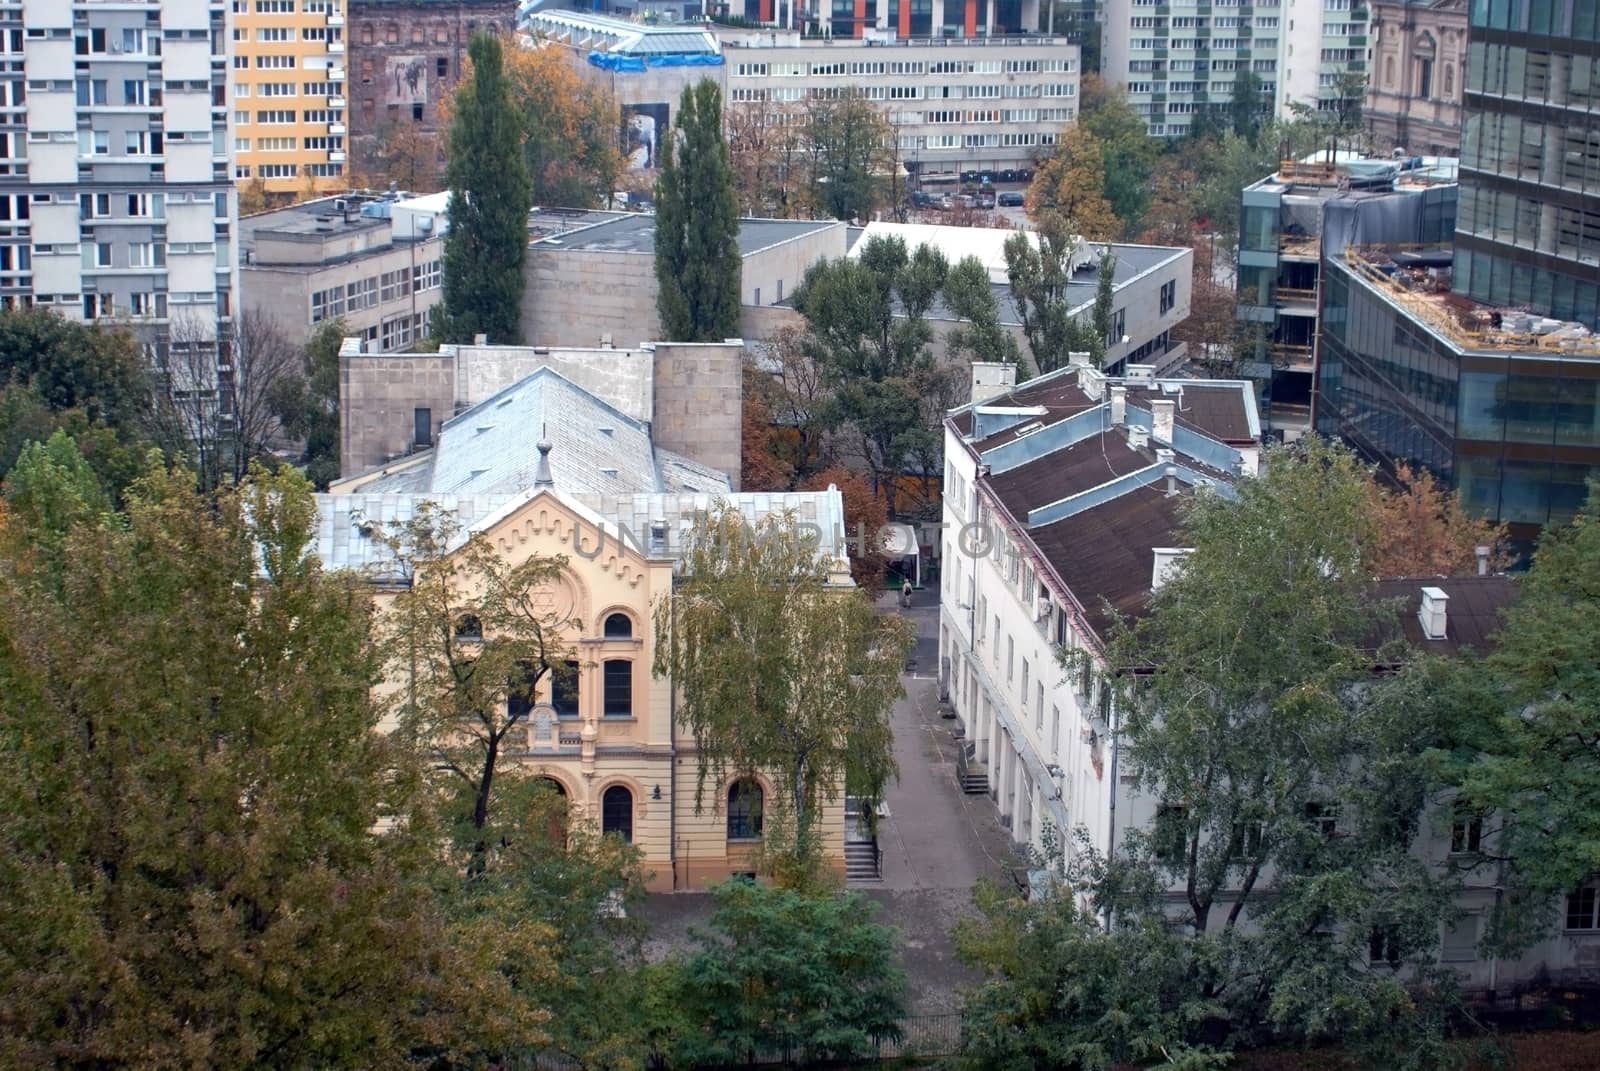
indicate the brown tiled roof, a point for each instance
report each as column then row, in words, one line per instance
column 1211, row 410
column 1061, row 473
column 1106, row 553
column 963, row 422
column 1472, row 614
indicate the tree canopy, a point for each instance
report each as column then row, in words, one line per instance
column 697, row 224
column 1071, row 182
column 1040, row 273
column 490, row 197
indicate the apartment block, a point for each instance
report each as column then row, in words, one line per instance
column 289, row 95
column 406, row 57
column 115, row 188
column 1179, row 60
column 964, row 103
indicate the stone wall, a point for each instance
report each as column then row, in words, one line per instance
column 578, row 297
column 378, row 399
column 699, row 391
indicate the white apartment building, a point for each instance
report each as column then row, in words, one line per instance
column 1061, row 496
column 1182, row 59
column 114, row 184
column 971, row 103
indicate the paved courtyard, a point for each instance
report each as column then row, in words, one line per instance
column 936, row 841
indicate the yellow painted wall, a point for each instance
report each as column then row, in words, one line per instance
column 250, row 18
column 592, row 753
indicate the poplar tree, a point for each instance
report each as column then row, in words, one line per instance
column 489, row 203
column 697, row 225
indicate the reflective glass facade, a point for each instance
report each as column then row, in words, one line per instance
column 1529, row 225
column 1517, row 433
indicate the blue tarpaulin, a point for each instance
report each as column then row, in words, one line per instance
column 611, row 61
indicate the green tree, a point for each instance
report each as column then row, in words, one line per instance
column 1525, row 759
column 854, row 162
column 307, row 405
column 1040, row 272
column 189, row 780
column 867, row 331
column 470, row 642
column 490, row 197
column 1127, row 150
column 981, row 336
column 780, row 674
column 1058, row 990
column 1071, row 182
column 1256, row 727
column 1245, row 106
column 697, row 224
column 812, row 977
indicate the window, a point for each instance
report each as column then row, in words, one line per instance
column 1169, row 295
column 519, row 687
column 441, row 67
column 564, row 689
column 1055, row 731
column 1383, row 946
column 1011, row 654
column 469, row 627
column 1024, row 692
column 618, row 674
column 1581, row 909
column 1323, row 817
column 1466, row 832
column 422, row 426
column 1171, row 832
column 1244, row 844
column 744, row 810
column 616, row 812
column 618, row 627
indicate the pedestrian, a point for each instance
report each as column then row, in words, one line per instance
column 905, row 595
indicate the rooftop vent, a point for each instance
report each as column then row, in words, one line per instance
column 608, row 471
column 1432, row 613
column 1028, row 429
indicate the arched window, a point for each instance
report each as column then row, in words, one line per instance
column 469, row 627
column 618, row 627
column 744, row 810
column 551, row 799
column 618, row 688
column 616, row 812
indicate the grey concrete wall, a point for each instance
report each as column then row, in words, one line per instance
column 699, row 398
column 621, row 378
column 378, row 396
column 574, row 298
column 777, row 270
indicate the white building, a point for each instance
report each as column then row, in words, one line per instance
column 1058, row 494
column 1182, row 59
column 114, row 182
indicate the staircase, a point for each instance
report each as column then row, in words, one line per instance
column 971, row 775
column 861, row 862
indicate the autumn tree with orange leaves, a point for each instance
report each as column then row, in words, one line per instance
column 1071, row 182
column 570, row 124
column 1421, row 529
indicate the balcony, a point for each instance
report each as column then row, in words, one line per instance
column 336, row 19
column 1290, row 357
column 336, row 102
column 336, row 47
column 336, row 128
column 336, row 156
column 1293, row 296
column 335, row 74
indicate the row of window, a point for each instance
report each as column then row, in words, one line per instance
column 368, row 293
column 840, row 69
column 744, row 818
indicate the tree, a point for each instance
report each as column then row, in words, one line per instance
column 262, row 359
column 1525, row 758
column 1421, row 529
column 190, row 414
column 189, row 780
column 569, row 126
column 810, row 977
column 767, row 152
column 307, row 405
column 868, row 334
column 1071, row 182
column 1292, row 792
column 981, row 336
column 854, row 157
column 779, row 674
column 1040, row 272
column 470, row 641
column 1059, row 991
column 761, row 466
column 403, row 155
column 253, row 197
column 697, row 225
column 1246, row 107
column 865, row 518
column 98, row 370
column 1102, row 312
column 1127, row 150
column 489, row 202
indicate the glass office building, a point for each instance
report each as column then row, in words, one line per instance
column 1528, row 232
column 1514, row 427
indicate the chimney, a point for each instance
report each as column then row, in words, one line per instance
column 1138, row 437
column 1119, row 405
column 992, row 378
column 1483, row 561
column 1432, row 613
column 1092, row 382
column 1078, row 358
column 1161, row 414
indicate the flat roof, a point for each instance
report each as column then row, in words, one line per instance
column 636, row 233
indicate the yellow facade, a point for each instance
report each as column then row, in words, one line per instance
column 288, row 94
column 644, row 753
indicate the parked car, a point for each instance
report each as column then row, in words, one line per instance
column 985, row 200
column 1011, row 199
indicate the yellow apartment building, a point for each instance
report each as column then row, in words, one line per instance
column 597, row 490
column 288, row 96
